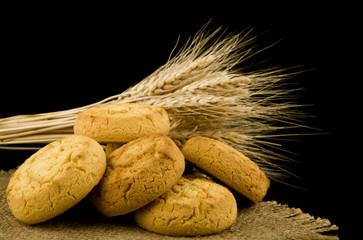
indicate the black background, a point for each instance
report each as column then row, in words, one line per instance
column 66, row 56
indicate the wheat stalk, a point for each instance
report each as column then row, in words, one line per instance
column 204, row 94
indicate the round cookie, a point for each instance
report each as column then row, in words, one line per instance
column 55, row 178
column 121, row 123
column 136, row 174
column 228, row 165
column 194, row 206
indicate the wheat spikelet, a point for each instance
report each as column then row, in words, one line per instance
column 204, row 94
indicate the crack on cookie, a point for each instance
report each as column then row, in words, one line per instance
column 51, row 202
column 171, row 220
column 149, row 118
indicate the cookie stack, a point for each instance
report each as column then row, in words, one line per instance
column 140, row 171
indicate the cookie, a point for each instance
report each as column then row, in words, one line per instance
column 193, row 206
column 228, row 165
column 136, row 174
column 121, row 123
column 55, row 178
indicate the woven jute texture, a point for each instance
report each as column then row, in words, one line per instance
column 265, row 220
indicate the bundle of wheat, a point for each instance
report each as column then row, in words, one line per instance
column 204, row 92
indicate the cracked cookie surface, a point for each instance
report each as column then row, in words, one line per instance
column 55, row 178
column 193, row 206
column 121, row 123
column 136, row 174
column 228, row 165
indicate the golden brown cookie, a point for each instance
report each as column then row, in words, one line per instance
column 55, row 178
column 121, row 123
column 228, row 165
column 193, row 206
column 136, row 174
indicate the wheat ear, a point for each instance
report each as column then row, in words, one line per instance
column 204, row 93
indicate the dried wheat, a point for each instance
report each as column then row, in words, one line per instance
column 204, row 93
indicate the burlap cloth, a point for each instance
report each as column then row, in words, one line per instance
column 265, row 220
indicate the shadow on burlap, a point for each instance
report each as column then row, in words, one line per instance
column 265, row 220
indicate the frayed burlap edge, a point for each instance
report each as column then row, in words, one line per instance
column 265, row 220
